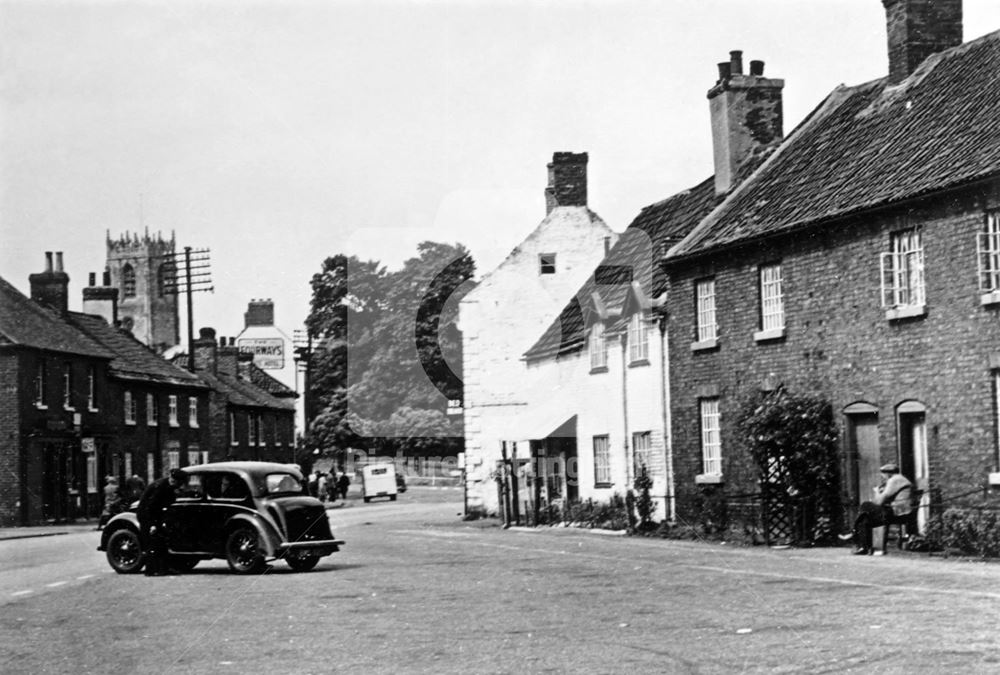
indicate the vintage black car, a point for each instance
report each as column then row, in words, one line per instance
column 244, row 512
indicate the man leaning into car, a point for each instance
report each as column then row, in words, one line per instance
column 152, row 506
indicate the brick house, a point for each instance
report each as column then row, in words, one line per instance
column 509, row 308
column 158, row 411
column 53, row 405
column 861, row 262
column 246, row 420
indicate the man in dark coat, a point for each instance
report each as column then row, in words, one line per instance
column 152, row 507
column 342, row 484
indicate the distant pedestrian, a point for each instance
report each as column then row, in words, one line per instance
column 321, row 487
column 134, row 487
column 112, row 501
column 152, row 508
column 342, row 484
column 314, row 483
column 331, row 487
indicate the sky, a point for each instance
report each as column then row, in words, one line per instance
column 277, row 134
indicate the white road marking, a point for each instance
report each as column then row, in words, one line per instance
column 56, row 583
column 23, row 592
column 85, row 576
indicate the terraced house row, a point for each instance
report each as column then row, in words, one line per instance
column 856, row 258
column 83, row 398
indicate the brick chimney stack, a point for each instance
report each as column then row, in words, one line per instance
column 51, row 287
column 918, row 28
column 567, row 180
column 259, row 313
column 101, row 300
column 205, row 351
column 746, row 115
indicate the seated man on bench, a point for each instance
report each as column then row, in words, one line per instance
column 892, row 504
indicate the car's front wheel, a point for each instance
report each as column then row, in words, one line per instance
column 124, row 552
column 243, row 551
column 301, row 562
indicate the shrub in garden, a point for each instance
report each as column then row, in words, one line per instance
column 967, row 531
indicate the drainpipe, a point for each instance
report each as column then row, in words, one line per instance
column 625, row 443
column 668, row 441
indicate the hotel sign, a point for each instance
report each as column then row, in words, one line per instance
column 268, row 353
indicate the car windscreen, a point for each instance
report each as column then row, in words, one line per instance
column 281, row 483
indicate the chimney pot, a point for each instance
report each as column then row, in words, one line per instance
column 48, row 261
column 725, row 70
column 206, row 334
column 736, row 61
column 106, row 278
column 59, row 261
column 93, row 279
column 757, row 68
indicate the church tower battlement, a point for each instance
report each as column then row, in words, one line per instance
column 142, row 269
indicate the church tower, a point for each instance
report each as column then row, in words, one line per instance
column 142, row 269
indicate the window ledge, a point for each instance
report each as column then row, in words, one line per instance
column 68, row 408
column 995, row 478
column 703, row 345
column 598, row 369
column 709, row 479
column 769, row 334
column 93, row 410
column 638, row 363
column 905, row 312
column 175, row 424
column 130, row 423
column 41, row 406
column 603, row 486
column 992, row 298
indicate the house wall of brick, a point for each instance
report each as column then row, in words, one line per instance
column 839, row 343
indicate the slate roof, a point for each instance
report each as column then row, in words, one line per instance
column 25, row 323
column 244, row 393
column 634, row 258
column 132, row 359
column 871, row 145
column 270, row 384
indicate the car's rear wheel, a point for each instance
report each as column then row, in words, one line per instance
column 182, row 563
column 301, row 562
column 124, row 552
column 243, row 551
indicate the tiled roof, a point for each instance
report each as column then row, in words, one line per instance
column 872, row 145
column 25, row 323
column 270, row 384
column 632, row 259
column 244, row 393
column 132, row 359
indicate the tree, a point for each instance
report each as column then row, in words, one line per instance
column 390, row 355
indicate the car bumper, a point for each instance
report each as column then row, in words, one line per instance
column 321, row 547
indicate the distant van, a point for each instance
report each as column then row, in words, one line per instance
column 378, row 480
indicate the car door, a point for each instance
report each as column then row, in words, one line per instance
column 184, row 517
column 228, row 495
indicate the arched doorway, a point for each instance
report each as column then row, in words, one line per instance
column 863, row 456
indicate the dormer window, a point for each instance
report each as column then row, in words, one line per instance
column 547, row 263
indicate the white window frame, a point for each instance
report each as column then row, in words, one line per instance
column 68, row 387
column 150, row 467
column 92, row 472
column 173, row 459
column 902, row 269
column 598, row 348
column 41, row 374
column 233, row 439
column 547, row 263
column 172, row 419
column 772, row 302
column 193, row 455
column 91, row 389
column 642, row 451
column 152, row 411
column 638, row 338
column 251, row 429
column 711, row 437
column 129, row 407
column 706, row 321
column 602, row 461
column 193, row 412
column 988, row 257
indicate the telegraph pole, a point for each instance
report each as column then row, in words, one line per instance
column 197, row 278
